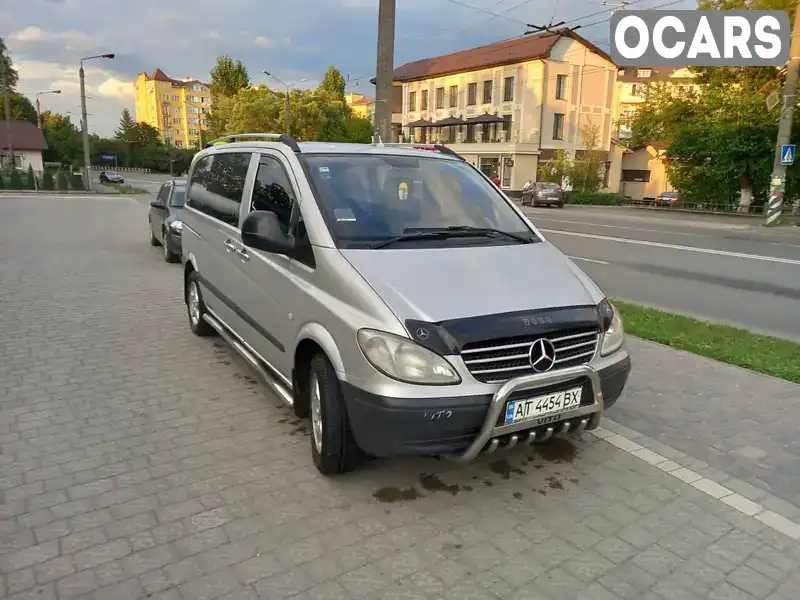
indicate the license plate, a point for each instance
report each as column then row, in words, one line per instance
column 542, row 406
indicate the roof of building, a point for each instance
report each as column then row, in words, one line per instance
column 657, row 145
column 25, row 136
column 677, row 74
column 159, row 75
column 529, row 47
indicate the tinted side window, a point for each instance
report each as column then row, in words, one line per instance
column 163, row 193
column 217, row 185
column 272, row 191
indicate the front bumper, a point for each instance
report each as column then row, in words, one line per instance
column 464, row 427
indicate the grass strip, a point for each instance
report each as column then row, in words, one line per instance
column 734, row 345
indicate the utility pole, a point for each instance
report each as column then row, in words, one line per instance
column 384, row 88
column 7, row 111
column 288, row 107
column 288, row 113
column 87, row 179
column 774, row 209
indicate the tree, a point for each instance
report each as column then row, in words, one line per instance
column 21, row 108
column 61, row 181
column 555, row 169
column 63, row 139
column 15, row 181
column 48, row 182
column 333, row 85
column 31, row 178
column 358, row 130
column 585, row 174
column 147, row 135
column 12, row 77
column 228, row 77
column 127, row 130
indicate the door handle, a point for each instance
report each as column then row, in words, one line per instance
column 229, row 247
column 243, row 255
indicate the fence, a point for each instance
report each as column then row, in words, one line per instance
column 112, row 168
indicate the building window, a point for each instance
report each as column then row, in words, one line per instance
column 439, row 98
column 177, row 132
column 177, row 110
column 175, row 98
column 453, row 96
column 558, row 126
column 193, row 121
column 507, row 128
column 178, row 144
column 561, row 87
column 424, row 100
column 176, row 121
column 487, row 92
column 472, row 94
column 508, row 89
column 506, row 181
column 636, row 90
column 412, row 102
column 644, row 73
column 635, row 175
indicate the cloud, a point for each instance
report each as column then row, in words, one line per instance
column 269, row 43
column 29, row 34
column 70, row 39
column 115, row 88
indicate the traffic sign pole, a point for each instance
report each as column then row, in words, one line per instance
column 774, row 208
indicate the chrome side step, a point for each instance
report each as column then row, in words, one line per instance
column 254, row 362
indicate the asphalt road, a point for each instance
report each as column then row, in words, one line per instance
column 721, row 269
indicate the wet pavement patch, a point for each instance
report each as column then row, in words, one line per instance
column 557, row 450
column 394, row 494
column 432, row 483
column 554, row 483
column 503, row 468
column 517, row 495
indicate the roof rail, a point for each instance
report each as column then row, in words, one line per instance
column 281, row 137
column 434, row 147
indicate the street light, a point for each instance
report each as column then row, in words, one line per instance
column 288, row 87
column 39, row 108
column 87, row 180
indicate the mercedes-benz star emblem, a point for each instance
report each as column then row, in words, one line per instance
column 422, row 334
column 542, row 355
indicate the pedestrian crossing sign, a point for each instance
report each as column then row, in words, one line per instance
column 787, row 154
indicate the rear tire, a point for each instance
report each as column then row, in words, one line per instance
column 196, row 308
column 333, row 447
column 561, row 204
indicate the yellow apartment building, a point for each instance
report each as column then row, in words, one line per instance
column 632, row 83
column 361, row 105
column 178, row 108
column 509, row 106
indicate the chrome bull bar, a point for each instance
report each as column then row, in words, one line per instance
column 587, row 417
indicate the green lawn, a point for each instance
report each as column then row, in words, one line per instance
column 761, row 353
column 125, row 189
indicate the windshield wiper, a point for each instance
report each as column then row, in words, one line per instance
column 454, row 231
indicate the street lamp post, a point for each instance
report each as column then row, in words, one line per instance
column 288, row 87
column 87, row 180
column 39, row 108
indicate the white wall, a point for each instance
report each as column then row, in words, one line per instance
column 31, row 157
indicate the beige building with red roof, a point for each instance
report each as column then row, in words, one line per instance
column 178, row 108
column 509, row 106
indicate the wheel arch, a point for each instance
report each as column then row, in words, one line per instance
column 188, row 268
column 312, row 339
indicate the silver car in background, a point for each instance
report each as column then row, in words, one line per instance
column 396, row 297
column 543, row 193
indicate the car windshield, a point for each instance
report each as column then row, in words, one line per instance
column 670, row 194
column 178, row 196
column 111, row 173
column 369, row 198
column 548, row 186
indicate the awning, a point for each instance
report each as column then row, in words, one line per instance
column 484, row 119
column 420, row 123
column 449, row 122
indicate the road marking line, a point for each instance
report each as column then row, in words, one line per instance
column 719, row 492
column 591, row 260
column 774, row 259
column 661, row 231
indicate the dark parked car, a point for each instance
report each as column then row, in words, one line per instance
column 111, row 177
column 165, row 219
column 668, row 198
column 544, row 193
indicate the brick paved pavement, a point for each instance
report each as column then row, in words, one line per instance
column 137, row 461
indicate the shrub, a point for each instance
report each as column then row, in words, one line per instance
column 31, row 178
column 62, row 181
column 596, row 198
column 76, row 181
column 15, row 181
column 76, row 166
column 48, row 182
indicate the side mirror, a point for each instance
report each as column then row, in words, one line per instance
column 262, row 230
column 156, row 204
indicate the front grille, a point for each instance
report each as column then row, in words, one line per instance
column 497, row 361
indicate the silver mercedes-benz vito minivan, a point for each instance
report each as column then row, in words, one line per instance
column 396, row 297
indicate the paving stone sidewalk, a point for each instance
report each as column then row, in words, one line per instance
column 137, row 461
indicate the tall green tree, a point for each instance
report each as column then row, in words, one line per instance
column 228, row 77
column 63, row 138
column 12, row 77
column 21, row 108
column 127, row 127
column 333, row 85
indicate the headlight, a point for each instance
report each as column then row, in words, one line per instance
column 404, row 360
column 614, row 335
column 176, row 226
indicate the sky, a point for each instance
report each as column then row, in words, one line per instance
column 293, row 39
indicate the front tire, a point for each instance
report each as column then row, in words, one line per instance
column 196, row 308
column 333, row 447
column 153, row 239
column 169, row 255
